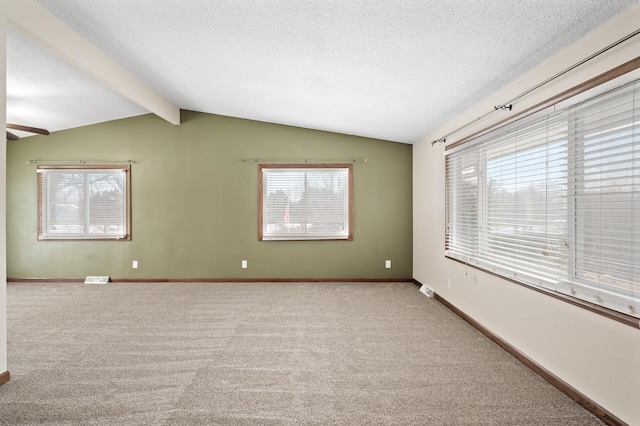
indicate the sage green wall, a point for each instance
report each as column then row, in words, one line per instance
column 195, row 204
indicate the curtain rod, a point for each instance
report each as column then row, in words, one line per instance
column 306, row 160
column 507, row 105
column 81, row 162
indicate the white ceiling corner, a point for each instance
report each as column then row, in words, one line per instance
column 392, row 70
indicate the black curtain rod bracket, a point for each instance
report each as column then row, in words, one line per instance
column 504, row 107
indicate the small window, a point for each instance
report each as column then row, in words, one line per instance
column 306, row 202
column 79, row 203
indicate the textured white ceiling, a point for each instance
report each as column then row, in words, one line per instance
column 45, row 91
column 394, row 69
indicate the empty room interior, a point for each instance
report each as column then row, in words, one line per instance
column 306, row 212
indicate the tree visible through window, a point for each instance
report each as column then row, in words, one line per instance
column 300, row 202
column 83, row 202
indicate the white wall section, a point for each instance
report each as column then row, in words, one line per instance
column 596, row 355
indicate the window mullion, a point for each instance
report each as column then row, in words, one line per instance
column 305, row 221
column 85, row 203
column 482, row 203
column 575, row 185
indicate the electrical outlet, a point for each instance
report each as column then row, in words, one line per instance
column 449, row 283
column 135, row 264
column 244, row 264
column 387, row 264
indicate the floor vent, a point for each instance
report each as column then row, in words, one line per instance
column 427, row 291
column 96, row 280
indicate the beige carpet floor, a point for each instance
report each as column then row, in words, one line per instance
column 260, row 354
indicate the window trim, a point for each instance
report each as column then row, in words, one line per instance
column 592, row 307
column 349, row 188
column 596, row 84
column 126, row 168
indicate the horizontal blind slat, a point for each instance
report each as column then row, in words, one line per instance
column 552, row 200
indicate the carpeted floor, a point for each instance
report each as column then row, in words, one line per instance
column 260, row 354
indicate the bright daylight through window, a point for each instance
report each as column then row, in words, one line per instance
column 553, row 200
column 83, row 202
column 305, row 202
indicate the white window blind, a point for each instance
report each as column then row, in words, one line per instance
column 305, row 203
column 82, row 203
column 554, row 201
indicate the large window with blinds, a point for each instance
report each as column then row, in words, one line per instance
column 305, row 202
column 553, row 200
column 80, row 203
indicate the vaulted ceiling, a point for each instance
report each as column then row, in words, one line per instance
column 387, row 69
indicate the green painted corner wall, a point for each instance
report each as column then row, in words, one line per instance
column 195, row 203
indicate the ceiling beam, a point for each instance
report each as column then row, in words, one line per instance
column 38, row 23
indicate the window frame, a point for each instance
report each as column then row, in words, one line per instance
column 42, row 236
column 263, row 236
column 476, row 260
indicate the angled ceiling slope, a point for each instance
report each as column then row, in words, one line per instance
column 49, row 32
column 387, row 70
